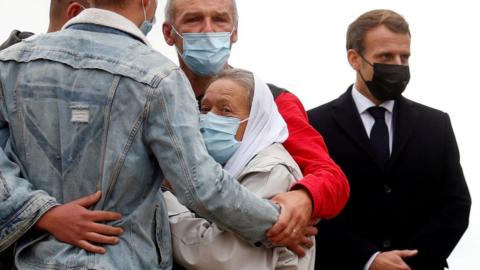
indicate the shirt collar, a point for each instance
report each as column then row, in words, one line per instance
column 363, row 103
column 110, row 19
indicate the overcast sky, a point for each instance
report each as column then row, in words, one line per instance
column 300, row 45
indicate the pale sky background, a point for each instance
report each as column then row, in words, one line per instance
column 300, row 45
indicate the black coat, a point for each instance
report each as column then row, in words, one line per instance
column 418, row 200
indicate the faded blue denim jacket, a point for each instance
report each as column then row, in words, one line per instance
column 92, row 108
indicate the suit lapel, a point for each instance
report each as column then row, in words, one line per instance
column 347, row 117
column 405, row 119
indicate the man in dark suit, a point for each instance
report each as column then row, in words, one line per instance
column 409, row 203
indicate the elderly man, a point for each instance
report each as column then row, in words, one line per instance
column 203, row 32
column 94, row 107
column 410, row 203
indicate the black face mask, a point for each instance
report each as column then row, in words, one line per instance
column 388, row 82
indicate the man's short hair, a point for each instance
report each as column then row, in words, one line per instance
column 59, row 4
column 170, row 12
column 58, row 9
column 358, row 29
column 109, row 3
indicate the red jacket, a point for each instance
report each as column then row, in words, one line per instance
column 323, row 178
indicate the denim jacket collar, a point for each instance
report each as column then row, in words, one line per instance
column 108, row 18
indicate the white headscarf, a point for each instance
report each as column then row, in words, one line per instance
column 265, row 126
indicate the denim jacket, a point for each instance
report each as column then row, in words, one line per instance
column 92, row 108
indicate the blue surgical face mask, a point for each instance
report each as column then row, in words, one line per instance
column 219, row 135
column 205, row 53
column 147, row 26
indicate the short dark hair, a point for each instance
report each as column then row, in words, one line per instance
column 109, row 3
column 58, row 9
column 358, row 29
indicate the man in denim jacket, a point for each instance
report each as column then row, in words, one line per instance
column 93, row 107
column 61, row 11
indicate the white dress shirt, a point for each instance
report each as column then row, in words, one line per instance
column 363, row 103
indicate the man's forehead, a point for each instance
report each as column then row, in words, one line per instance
column 382, row 39
column 196, row 6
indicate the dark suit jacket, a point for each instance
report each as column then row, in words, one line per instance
column 418, row 200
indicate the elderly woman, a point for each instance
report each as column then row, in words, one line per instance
column 243, row 130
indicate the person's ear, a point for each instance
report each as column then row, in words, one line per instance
column 168, row 34
column 354, row 59
column 234, row 36
column 74, row 9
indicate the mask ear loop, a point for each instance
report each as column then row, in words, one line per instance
column 144, row 12
column 363, row 78
column 178, row 34
column 244, row 120
column 366, row 61
column 234, row 27
column 175, row 30
column 361, row 75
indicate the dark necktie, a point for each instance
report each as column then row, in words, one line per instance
column 379, row 135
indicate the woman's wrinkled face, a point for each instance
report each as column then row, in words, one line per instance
column 225, row 97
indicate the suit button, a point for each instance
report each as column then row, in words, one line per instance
column 387, row 189
column 386, row 244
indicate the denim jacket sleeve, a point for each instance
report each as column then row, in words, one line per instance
column 20, row 204
column 199, row 182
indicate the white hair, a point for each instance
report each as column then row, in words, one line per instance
column 242, row 77
column 170, row 12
